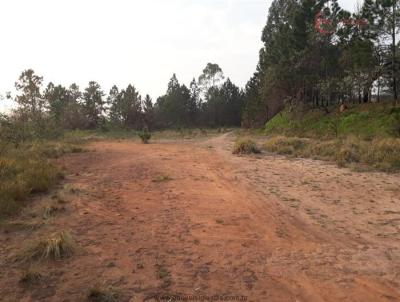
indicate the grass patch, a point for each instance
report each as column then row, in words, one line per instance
column 103, row 293
column 28, row 170
column 379, row 154
column 55, row 247
column 79, row 136
column 30, row 276
column 366, row 121
column 245, row 146
column 51, row 210
column 162, row 178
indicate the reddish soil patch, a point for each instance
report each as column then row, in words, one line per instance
column 188, row 219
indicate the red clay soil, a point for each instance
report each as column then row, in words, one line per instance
column 182, row 219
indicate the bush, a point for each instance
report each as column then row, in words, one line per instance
column 245, row 146
column 145, row 136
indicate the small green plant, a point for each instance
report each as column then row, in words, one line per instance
column 55, row 247
column 145, row 136
column 103, row 293
column 245, row 146
column 334, row 125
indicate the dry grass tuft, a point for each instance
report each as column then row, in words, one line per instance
column 55, row 247
column 381, row 154
column 245, row 146
column 162, row 178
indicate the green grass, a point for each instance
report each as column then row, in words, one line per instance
column 364, row 121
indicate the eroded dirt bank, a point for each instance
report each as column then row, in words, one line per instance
column 192, row 219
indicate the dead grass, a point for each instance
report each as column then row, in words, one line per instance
column 379, row 154
column 245, row 146
column 30, row 276
column 103, row 293
column 27, row 170
column 55, row 247
column 162, row 178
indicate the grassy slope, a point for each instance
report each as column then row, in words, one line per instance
column 366, row 136
column 364, row 121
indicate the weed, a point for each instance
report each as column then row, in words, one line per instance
column 245, row 146
column 55, row 247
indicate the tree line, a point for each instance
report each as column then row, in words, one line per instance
column 210, row 101
column 316, row 54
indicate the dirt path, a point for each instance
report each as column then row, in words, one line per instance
column 192, row 219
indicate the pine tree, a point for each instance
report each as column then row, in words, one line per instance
column 93, row 105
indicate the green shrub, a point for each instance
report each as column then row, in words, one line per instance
column 245, row 146
column 145, row 136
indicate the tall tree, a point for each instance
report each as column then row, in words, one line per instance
column 93, row 105
column 57, row 98
column 30, row 100
column 148, row 113
column 114, row 104
column 388, row 15
column 212, row 75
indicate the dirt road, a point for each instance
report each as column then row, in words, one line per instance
column 190, row 218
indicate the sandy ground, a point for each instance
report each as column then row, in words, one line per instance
column 190, row 218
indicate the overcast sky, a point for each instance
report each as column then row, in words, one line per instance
column 142, row 42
